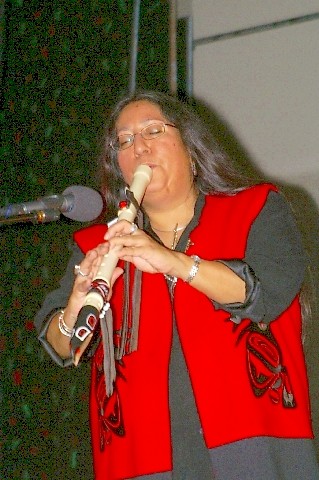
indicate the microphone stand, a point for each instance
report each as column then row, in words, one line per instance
column 41, row 216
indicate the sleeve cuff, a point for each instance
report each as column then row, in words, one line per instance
column 253, row 306
column 62, row 362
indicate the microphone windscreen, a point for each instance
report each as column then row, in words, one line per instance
column 87, row 204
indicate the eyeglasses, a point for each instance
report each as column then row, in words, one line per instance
column 150, row 132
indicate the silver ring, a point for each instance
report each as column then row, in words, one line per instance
column 77, row 271
column 134, row 227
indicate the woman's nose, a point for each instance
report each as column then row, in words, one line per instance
column 140, row 144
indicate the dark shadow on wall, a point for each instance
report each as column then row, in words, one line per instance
column 226, row 138
column 307, row 216
column 306, row 213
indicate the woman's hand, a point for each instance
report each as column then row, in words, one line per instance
column 213, row 278
column 139, row 248
column 82, row 284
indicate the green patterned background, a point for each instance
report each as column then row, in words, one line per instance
column 64, row 63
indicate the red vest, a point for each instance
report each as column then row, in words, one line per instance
column 247, row 382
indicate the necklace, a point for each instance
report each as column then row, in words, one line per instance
column 175, row 234
column 175, row 238
column 175, row 229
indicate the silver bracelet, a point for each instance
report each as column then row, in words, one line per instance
column 64, row 329
column 193, row 271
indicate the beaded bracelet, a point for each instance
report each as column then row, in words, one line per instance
column 64, row 329
column 193, row 271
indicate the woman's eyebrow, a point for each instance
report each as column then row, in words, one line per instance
column 147, row 120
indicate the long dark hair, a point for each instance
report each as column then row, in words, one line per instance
column 215, row 171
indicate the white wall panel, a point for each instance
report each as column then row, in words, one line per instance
column 266, row 87
column 212, row 17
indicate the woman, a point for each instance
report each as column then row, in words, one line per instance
column 222, row 266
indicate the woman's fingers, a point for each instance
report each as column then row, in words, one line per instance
column 82, row 284
column 143, row 251
column 88, row 268
column 118, row 271
column 122, row 227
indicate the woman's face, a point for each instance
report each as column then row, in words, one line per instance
column 166, row 154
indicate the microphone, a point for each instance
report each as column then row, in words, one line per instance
column 79, row 203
